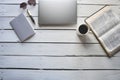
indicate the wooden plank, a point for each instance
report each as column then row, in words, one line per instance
column 42, row 49
column 49, row 36
column 83, row 10
column 13, row 1
column 4, row 24
column 37, row 62
column 87, row 10
column 59, row 75
column 78, row 1
column 99, row 2
column 5, row 10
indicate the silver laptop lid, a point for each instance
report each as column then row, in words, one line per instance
column 52, row 12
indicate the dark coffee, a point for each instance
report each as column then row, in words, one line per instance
column 83, row 29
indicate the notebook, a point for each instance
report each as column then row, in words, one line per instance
column 22, row 27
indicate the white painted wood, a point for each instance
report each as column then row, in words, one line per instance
column 59, row 62
column 13, row 1
column 83, row 10
column 78, row 1
column 49, row 36
column 58, row 55
column 59, row 75
column 5, row 10
column 4, row 24
column 87, row 10
column 113, row 2
column 43, row 49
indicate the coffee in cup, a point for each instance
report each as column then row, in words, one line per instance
column 82, row 29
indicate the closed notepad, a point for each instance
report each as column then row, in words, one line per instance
column 22, row 27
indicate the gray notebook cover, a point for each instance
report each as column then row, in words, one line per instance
column 22, row 27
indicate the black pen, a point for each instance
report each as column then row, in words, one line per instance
column 30, row 16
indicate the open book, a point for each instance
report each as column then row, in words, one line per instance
column 105, row 24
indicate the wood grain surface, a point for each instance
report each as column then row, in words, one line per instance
column 55, row 52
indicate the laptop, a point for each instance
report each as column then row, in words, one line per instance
column 57, row 12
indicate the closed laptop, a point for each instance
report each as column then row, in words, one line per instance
column 52, row 12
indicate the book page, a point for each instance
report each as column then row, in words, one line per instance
column 111, row 39
column 105, row 22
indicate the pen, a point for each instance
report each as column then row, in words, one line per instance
column 30, row 16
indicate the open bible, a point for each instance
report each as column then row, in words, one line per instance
column 105, row 24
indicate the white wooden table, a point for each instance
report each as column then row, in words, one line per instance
column 54, row 53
